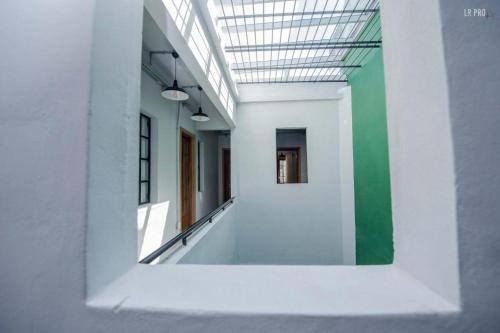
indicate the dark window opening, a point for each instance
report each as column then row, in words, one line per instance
column 144, row 160
column 291, row 156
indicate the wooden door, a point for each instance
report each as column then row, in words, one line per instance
column 226, row 174
column 188, row 199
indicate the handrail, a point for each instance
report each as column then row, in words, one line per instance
column 186, row 233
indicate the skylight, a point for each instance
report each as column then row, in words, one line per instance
column 280, row 41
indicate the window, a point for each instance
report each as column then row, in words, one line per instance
column 144, row 159
column 291, row 156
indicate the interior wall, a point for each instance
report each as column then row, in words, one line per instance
column 158, row 220
column 347, row 177
column 217, row 245
column 471, row 48
column 287, row 223
column 420, row 119
column 44, row 118
column 113, row 127
column 372, row 191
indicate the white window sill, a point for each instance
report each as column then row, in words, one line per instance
column 271, row 290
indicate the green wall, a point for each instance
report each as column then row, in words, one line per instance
column 374, row 243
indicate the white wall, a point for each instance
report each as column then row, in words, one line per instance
column 275, row 92
column 421, row 162
column 287, row 223
column 113, row 127
column 216, row 245
column 158, row 221
column 347, row 177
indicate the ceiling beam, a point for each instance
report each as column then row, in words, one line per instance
column 312, row 80
column 248, row 2
column 308, row 65
column 290, row 61
column 304, row 46
column 300, row 14
column 295, row 23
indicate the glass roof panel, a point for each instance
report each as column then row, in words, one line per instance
column 267, row 41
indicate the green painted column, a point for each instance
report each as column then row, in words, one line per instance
column 374, row 242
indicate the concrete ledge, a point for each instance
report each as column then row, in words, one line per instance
column 271, row 290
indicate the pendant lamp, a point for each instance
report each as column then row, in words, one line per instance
column 175, row 93
column 200, row 115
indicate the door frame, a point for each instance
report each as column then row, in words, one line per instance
column 192, row 171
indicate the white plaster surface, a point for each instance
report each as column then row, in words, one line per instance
column 347, row 178
column 279, row 92
column 471, row 48
column 288, row 223
column 296, row 290
column 421, row 162
column 213, row 244
column 112, row 134
column 44, row 113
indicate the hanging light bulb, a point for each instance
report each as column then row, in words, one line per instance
column 175, row 93
column 200, row 115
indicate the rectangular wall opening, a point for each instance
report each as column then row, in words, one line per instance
column 291, row 156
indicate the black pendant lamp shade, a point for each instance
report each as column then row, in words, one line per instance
column 200, row 115
column 175, row 93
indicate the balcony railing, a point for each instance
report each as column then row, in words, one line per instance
column 183, row 236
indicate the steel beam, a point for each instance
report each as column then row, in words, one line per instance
column 295, row 23
column 307, row 65
column 304, row 46
column 300, row 14
column 291, row 81
column 290, row 61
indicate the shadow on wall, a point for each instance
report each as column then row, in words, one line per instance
column 151, row 227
